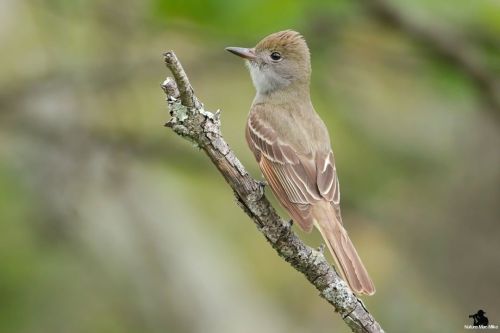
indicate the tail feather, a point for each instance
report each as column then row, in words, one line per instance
column 342, row 249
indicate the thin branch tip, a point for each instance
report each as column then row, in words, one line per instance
column 168, row 55
column 170, row 88
column 186, row 91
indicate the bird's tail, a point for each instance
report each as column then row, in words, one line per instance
column 342, row 249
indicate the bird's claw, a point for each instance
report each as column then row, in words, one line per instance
column 262, row 183
column 288, row 225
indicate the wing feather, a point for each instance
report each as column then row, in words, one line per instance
column 298, row 181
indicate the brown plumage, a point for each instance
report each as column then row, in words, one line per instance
column 292, row 146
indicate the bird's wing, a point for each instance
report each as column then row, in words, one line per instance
column 327, row 180
column 298, row 181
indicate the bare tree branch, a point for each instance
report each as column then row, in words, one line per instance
column 191, row 121
column 448, row 47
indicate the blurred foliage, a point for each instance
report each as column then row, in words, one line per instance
column 249, row 18
column 110, row 223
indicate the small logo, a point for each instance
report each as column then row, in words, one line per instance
column 480, row 321
column 479, row 318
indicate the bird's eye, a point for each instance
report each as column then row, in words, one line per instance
column 276, row 56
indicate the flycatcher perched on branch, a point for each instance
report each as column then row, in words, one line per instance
column 292, row 146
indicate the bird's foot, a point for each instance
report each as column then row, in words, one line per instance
column 321, row 248
column 262, row 186
column 287, row 225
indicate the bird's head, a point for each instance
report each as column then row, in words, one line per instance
column 277, row 61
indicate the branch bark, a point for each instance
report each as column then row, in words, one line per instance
column 191, row 121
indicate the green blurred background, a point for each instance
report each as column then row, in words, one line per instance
column 111, row 223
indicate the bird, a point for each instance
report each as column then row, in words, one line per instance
column 292, row 146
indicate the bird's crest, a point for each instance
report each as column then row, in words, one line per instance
column 288, row 41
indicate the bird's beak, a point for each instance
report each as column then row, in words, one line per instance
column 242, row 52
